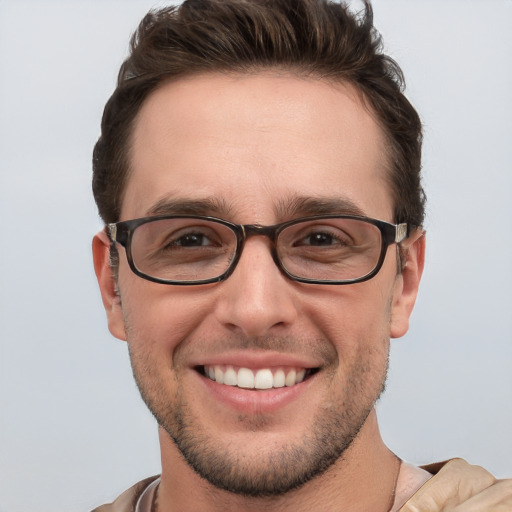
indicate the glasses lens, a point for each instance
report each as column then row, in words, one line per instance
column 183, row 249
column 330, row 249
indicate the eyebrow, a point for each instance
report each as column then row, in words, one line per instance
column 286, row 209
column 307, row 206
column 209, row 206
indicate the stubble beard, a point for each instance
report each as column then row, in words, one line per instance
column 273, row 472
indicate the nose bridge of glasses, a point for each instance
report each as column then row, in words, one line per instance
column 255, row 230
column 251, row 230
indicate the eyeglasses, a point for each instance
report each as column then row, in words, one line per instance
column 190, row 250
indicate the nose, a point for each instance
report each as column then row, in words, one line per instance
column 256, row 299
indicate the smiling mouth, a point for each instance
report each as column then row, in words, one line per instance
column 263, row 378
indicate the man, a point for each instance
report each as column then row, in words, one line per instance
column 258, row 173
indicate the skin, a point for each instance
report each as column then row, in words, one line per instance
column 244, row 148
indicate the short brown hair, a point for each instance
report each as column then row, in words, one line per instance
column 318, row 38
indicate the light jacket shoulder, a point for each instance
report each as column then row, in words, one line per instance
column 461, row 487
column 127, row 501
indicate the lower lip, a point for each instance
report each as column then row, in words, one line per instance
column 254, row 401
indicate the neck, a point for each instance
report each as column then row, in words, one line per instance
column 367, row 465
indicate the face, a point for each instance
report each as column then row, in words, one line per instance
column 258, row 149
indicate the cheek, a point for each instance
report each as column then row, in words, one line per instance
column 351, row 316
column 154, row 314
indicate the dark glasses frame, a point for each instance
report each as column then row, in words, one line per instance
column 122, row 233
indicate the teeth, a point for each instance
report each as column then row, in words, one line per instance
column 264, row 378
column 290, row 378
column 245, row 378
column 279, row 379
column 219, row 375
column 230, row 377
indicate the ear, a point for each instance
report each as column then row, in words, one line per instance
column 407, row 283
column 108, row 287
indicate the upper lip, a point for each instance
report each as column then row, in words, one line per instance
column 256, row 360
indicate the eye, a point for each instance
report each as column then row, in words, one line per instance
column 318, row 239
column 176, row 237
column 173, row 248
column 322, row 237
column 192, row 240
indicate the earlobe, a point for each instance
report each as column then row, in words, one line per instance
column 107, row 284
column 406, row 288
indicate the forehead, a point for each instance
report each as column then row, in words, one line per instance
column 253, row 143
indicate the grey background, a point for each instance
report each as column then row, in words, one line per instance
column 73, row 430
